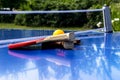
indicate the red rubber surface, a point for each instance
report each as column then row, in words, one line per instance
column 23, row 44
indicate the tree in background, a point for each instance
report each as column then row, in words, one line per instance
column 56, row 20
column 11, row 3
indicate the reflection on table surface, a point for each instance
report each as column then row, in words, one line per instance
column 95, row 58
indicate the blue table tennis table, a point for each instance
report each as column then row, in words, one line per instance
column 96, row 58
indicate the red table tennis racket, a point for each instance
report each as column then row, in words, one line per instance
column 61, row 37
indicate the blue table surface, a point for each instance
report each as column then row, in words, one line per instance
column 96, row 58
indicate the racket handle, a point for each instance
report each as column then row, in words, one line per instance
column 60, row 37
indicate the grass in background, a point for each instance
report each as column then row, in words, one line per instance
column 13, row 26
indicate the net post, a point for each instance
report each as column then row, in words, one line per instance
column 107, row 19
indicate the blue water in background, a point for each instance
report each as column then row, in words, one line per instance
column 96, row 58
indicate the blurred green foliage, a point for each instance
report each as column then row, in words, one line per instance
column 115, row 16
column 54, row 20
column 88, row 20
